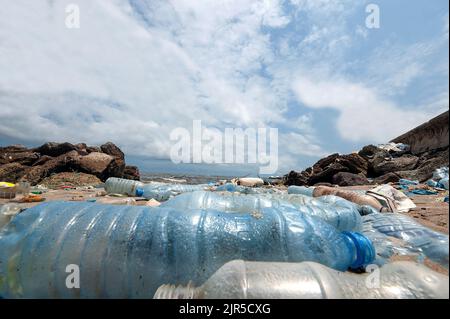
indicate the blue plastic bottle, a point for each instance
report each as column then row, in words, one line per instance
column 162, row 192
column 128, row 252
column 336, row 211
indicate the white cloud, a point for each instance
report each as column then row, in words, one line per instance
column 363, row 115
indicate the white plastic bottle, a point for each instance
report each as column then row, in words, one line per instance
column 114, row 185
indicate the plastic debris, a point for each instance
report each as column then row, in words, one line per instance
column 240, row 279
column 336, row 211
column 250, row 181
column 7, row 190
column 415, row 238
column 7, row 212
column 114, row 185
column 128, row 252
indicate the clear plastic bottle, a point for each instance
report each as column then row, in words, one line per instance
column 162, row 192
column 239, row 279
column 129, row 251
column 413, row 238
column 114, row 185
column 301, row 190
column 336, row 211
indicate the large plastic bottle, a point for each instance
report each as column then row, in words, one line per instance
column 128, row 252
column 336, row 211
column 162, row 192
column 414, row 238
column 308, row 280
column 114, row 185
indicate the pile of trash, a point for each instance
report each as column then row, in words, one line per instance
column 199, row 241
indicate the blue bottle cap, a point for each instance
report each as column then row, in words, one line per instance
column 139, row 192
column 365, row 251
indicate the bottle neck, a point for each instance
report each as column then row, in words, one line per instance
column 177, row 292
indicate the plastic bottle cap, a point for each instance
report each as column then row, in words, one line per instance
column 365, row 251
column 139, row 192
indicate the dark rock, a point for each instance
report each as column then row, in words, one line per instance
column 81, row 149
column 27, row 158
column 369, row 151
column 92, row 149
column 355, row 163
column 404, row 163
column 386, row 178
column 55, row 149
column 12, row 172
column 111, row 149
column 324, row 162
column 425, row 171
column 349, row 179
column 42, row 160
column 63, row 163
column 296, row 178
column 327, row 174
column 132, row 172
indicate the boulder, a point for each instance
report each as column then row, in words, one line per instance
column 55, row 149
column 132, row 172
column 386, row 178
column 63, row 163
column 355, row 163
column 326, row 175
column 92, row 149
column 296, row 178
column 25, row 157
column 111, row 149
column 101, row 165
column 404, row 163
column 12, row 172
column 324, row 162
column 349, row 179
column 369, row 151
column 42, row 160
column 425, row 171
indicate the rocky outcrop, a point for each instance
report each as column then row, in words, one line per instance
column 403, row 163
column 349, row 179
column 431, row 135
column 17, row 163
column 371, row 162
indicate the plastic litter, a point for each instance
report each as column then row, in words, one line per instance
column 7, row 212
column 391, row 199
column 7, row 190
column 301, row 190
column 240, row 279
column 394, row 147
column 336, row 211
column 162, row 192
column 415, row 238
column 250, row 181
column 128, row 252
column 114, row 185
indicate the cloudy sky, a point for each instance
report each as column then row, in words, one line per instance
column 137, row 69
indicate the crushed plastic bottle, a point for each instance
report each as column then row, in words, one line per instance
column 114, row 185
column 301, row 190
column 128, row 252
column 7, row 212
column 239, row 279
column 336, row 211
column 162, row 192
column 384, row 228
